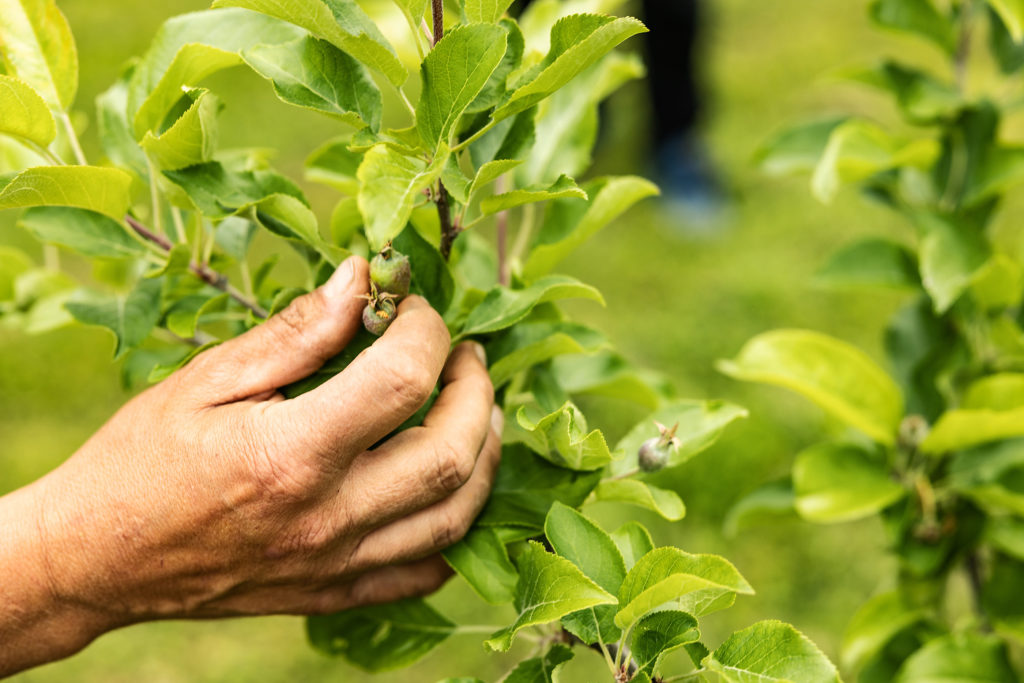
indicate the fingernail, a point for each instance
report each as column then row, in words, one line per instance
column 341, row 279
column 497, row 420
column 478, row 349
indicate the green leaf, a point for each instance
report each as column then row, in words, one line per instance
column 333, row 164
column 797, row 149
column 1002, row 391
column 339, row 22
column 919, row 17
column 875, row 624
column 192, row 139
column 186, row 314
column 842, row 482
column 958, row 657
column 529, row 344
column 390, row 185
column 431, row 276
column 871, row 263
column 921, row 98
column 540, row 669
column 486, row 11
column 696, row 584
column 234, row 235
column 771, row 652
column 563, row 187
column 837, row 376
column 453, row 74
column 104, row 190
column 187, row 49
column 549, row 588
column 481, row 559
column 991, row 476
column 24, row 113
column 607, row 373
column 115, row 132
column 380, row 637
column 700, row 424
column 218, row 190
column 1012, row 14
column 952, row 254
column 666, row 503
column 577, row 41
column 86, row 232
column 510, row 139
column 633, row 541
column 488, row 173
column 527, row 486
column 857, row 150
column 568, row 223
column 957, row 429
column 1007, row 534
column 561, row 436
column 12, row 264
column 36, row 43
column 582, row 542
column 131, row 317
column 493, row 92
column 658, row 634
column 316, row 75
column 504, row 307
column 1007, row 52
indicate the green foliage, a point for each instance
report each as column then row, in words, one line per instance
column 941, row 463
column 503, row 123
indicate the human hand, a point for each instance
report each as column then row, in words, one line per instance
column 211, row 495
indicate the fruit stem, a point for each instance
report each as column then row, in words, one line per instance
column 625, row 475
column 203, row 272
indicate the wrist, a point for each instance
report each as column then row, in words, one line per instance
column 43, row 617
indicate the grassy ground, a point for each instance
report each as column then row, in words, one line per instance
column 674, row 303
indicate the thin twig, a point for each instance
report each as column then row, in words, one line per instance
column 76, row 146
column 502, row 220
column 437, row 8
column 203, row 272
column 448, row 231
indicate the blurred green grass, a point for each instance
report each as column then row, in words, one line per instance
column 675, row 303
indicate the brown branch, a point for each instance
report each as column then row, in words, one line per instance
column 438, row 10
column 200, row 270
column 449, row 231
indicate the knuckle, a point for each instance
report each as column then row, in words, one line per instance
column 448, row 528
column 411, row 382
column 277, row 473
column 452, row 467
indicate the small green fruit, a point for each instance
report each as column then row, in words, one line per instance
column 377, row 318
column 654, row 453
column 390, row 271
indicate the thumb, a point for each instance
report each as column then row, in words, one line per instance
column 289, row 346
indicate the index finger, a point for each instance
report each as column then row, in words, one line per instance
column 378, row 391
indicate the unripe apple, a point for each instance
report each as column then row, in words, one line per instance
column 390, row 271
column 378, row 317
column 654, row 453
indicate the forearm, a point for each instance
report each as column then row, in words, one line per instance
column 36, row 624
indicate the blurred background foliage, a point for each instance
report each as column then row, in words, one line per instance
column 676, row 302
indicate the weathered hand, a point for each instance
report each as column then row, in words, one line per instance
column 211, row 495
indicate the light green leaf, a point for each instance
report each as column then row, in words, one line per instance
column 959, row 657
column 529, row 344
column 36, row 43
column 490, row 172
column 333, row 164
column 234, row 235
column 569, row 223
column 875, row 624
column 86, row 232
column 992, row 476
column 316, row 75
column 104, row 190
column 481, row 559
column 390, row 185
column 219, row 190
column 1012, row 14
column 24, row 113
column 700, row 423
column 510, row 139
column 857, row 150
column 1002, row 391
column 380, row 637
column 130, row 317
column 696, row 584
column 187, row 49
column 542, row 669
column 486, row 11
column 771, row 501
column 341, row 23
column 115, row 132
column 504, row 307
column 563, row 187
column 797, row 149
column 191, row 140
column 494, row 91
column 658, row 634
column 771, row 652
column 577, row 41
column 871, row 263
column 957, row 429
column 837, row 376
column 12, row 264
column 549, row 588
column 841, row 482
column 608, row 374
column 922, row 98
column 666, row 503
column 453, row 74
column 951, row 256
column 919, row 17
column 561, row 437
column 187, row 314
column 633, row 541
